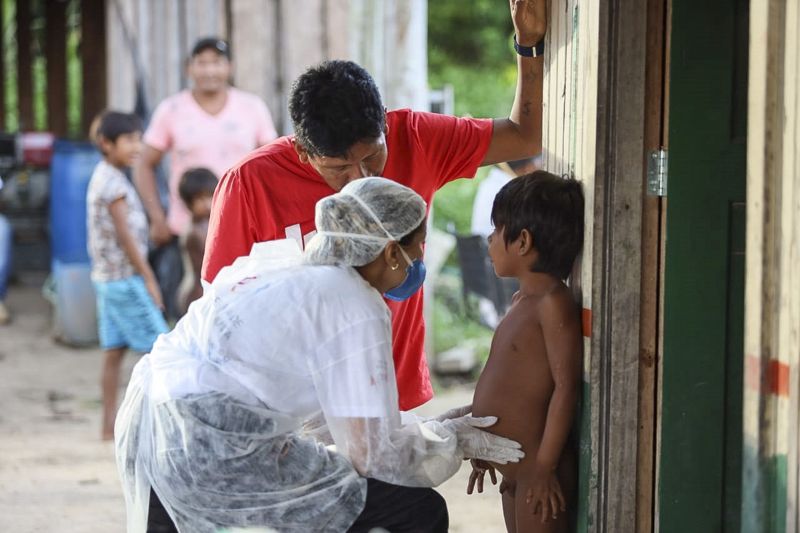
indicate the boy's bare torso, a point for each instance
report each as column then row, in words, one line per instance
column 517, row 386
column 517, row 383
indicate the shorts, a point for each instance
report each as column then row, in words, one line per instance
column 127, row 316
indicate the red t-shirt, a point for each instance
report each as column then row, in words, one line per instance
column 272, row 195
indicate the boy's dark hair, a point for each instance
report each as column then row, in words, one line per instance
column 333, row 106
column 194, row 182
column 113, row 124
column 551, row 209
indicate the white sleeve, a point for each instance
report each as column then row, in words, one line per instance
column 355, row 381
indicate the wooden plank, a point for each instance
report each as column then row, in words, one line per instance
column 120, row 82
column 255, row 26
column 789, row 322
column 56, row 54
column 661, row 267
column 617, row 262
column 93, row 60
column 651, row 243
column 24, row 62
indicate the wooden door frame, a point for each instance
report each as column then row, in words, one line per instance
column 617, row 267
column 652, row 288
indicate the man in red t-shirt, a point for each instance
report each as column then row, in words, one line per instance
column 343, row 133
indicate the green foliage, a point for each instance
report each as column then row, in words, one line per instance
column 10, row 64
column 469, row 47
column 451, row 326
column 469, row 34
column 39, row 67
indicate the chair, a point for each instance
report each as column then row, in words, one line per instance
column 478, row 278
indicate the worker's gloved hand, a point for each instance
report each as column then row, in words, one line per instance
column 457, row 412
column 475, row 443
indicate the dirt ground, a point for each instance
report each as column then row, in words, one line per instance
column 55, row 473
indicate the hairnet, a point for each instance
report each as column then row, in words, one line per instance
column 355, row 224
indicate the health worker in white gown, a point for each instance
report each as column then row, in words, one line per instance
column 212, row 417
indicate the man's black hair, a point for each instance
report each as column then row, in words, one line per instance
column 333, row 106
column 220, row 46
column 551, row 209
column 114, row 123
column 194, row 182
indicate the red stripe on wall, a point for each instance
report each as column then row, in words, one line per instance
column 778, row 377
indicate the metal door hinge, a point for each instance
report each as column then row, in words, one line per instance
column 657, row 167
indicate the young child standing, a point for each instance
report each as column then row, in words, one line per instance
column 532, row 378
column 196, row 189
column 128, row 297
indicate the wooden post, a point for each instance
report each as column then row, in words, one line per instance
column 772, row 288
column 93, row 60
column 56, row 54
column 24, row 62
column 617, row 263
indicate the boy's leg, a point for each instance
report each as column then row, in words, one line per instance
column 402, row 509
column 528, row 521
column 508, row 489
column 109, row 383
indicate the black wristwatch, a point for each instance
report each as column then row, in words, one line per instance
column 529, row 51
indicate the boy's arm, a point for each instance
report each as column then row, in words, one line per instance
column 119, row 214
column 562, row 338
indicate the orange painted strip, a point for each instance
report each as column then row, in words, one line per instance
column 778, row 375
column 586, row 322
column 774, row 381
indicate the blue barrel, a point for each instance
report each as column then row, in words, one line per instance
column 71, row 169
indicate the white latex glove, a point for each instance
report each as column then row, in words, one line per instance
column 456, row 412
column 475, row 443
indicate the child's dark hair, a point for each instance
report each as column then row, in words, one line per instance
column 113, row 124
column 194, row 182
column 333, row 106
column 551, row 209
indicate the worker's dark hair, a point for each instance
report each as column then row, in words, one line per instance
column 112, row 124
column 333, row 106
column 194, row 182
column 551, row 209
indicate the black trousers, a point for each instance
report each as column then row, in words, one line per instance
column 402, row 509
column 392, row 507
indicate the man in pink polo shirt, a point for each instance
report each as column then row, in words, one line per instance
column 211, row 125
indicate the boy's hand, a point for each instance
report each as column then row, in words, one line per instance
column 530, row 20
column 479, row 469
column 545, row 494
column 154, row 291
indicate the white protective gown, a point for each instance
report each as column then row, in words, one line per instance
column 212, row 416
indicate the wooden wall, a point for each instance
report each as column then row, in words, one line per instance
column 272, row 42
column 155, row 38
column 772, row 297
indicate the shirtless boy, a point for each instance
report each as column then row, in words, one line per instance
column 532, row 379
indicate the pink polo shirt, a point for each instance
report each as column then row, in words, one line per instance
column 196, row 138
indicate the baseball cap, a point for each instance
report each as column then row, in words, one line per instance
column 220, row 46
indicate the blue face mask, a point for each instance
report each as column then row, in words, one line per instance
column 415, row 277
